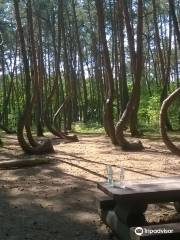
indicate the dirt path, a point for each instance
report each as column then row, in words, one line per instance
column 57, row 201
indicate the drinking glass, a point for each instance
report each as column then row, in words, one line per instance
column 109, row 172
column 122, row 177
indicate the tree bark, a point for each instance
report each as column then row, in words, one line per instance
column 123, row 77
column 132, row 104
column 108, row 108
column 51, row 128
column 24, row 120
column 164, row 77
column 163, row 113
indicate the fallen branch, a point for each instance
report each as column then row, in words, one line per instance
column 23, row 163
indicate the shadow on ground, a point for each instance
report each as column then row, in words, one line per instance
column 57, row 201
column 45, row 204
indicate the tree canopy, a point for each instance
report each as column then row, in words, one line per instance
column 111, row 62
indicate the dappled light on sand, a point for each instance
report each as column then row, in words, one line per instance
column 62, row 193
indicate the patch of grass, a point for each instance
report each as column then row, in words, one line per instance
column 150, row 129
column 88, row 128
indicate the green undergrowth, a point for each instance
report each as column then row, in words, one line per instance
column 88, row 127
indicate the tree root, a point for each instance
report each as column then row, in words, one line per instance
column 133, row 146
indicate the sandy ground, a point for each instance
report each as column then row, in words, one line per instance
column 57, row 201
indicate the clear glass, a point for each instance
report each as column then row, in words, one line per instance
column 122, row 176
column 109, row 171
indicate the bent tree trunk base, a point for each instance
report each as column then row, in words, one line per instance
column 44, row 148
column 33, row 147
column 58, row 132
column 52, row 127
column 121, row 125
column 133, row 146
column 63, row 135
column 123, row 142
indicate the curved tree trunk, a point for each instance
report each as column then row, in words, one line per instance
column 176, row 94
column 37, row 148
column 24, row 120
column 108, row 108
column 59, row 111
column 163, row 113
column 134, row 99
column 121, row 125
column 73, row 138
column 136, row 61
column 46, row 117
column 53, row 129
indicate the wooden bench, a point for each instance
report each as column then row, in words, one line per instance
column 123, row 209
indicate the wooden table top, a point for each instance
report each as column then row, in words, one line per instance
column 147, row 190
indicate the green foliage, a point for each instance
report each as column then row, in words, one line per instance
column 84, row 15
column 88, row 127
column 149, row 111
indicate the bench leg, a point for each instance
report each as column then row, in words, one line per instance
column 132, row 215
column 121, row 216
column 120, row 229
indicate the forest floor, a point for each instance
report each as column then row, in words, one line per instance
column 57, row 200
